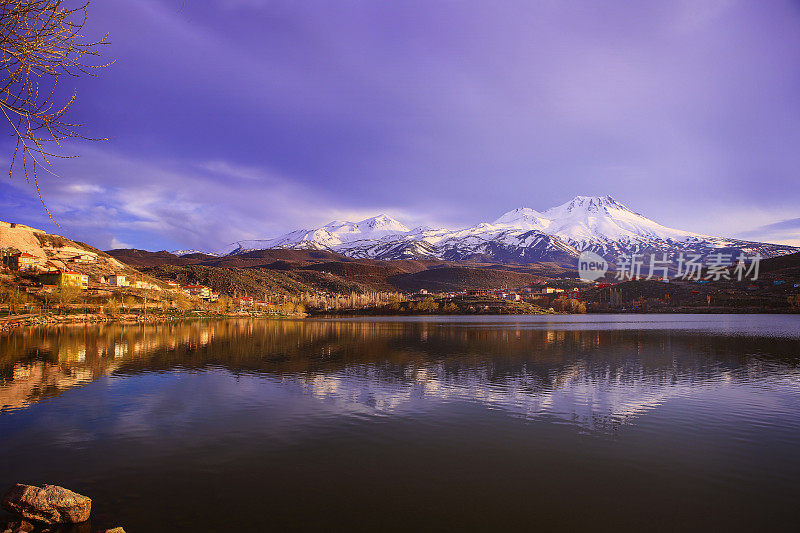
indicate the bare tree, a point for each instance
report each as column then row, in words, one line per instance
column 41, row 41
column 66, row 294
column 13, row 298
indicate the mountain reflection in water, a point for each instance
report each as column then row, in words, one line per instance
column 623, row 423
column 597, row 379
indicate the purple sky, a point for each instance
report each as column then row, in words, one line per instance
column 232, row 119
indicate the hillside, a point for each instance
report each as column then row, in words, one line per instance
column 285, row 271
column 456, row 278
column 57, row 252
column 137, row 258
column 253, row 281
column 785, row 266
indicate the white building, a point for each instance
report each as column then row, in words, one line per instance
column 118, row 281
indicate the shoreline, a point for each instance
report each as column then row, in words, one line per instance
column 657, row 311
column 17, row 321
column 12, row 322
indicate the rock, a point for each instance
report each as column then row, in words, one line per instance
column 49, row 504
column 18, row 526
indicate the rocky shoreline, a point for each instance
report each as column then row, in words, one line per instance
column 58, row 320
column 48, row 508
column 13, row 322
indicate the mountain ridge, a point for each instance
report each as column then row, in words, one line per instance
column 600, row 224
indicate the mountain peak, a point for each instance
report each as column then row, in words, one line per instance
column 382, row 222
column 586, row 204
column 595, row 201
column 522, row 217
column 597, row 223
column 335, row 223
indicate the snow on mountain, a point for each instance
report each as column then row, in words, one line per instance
column 523, row 218
column 181, row 253
column 381, row 224
column 370, row 228
column 331, row 236
column 559, row 234
column 584, row 219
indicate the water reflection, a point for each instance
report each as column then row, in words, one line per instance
column 593, row 377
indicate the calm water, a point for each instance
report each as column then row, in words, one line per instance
column 596, row 422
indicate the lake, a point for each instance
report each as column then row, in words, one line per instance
column 601, row 422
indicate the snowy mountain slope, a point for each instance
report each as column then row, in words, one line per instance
column 524, row 235
column 181, row 253
column 605, row 226
column 331, row 236
column 584, row 219
column 523, row 218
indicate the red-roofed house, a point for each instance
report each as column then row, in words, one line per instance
column 65, row 278
column 198, row 290
column 22, row 261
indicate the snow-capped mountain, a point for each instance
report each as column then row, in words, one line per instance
column 335, row 235
column 181, row 253
column 524, row 235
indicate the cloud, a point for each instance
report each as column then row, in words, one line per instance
column 116, row 243
column 82, row 188
column 782, row 232
column 151, row 203
column 174, row 203
column 269, row 115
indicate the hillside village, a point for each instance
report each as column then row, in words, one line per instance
column 40, row 272
column 44, row 273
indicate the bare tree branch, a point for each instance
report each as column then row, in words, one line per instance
column 41, row 41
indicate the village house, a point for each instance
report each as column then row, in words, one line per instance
column 21, row 261
column 477, row 292
column 64, row 278
column 551, row 290
column 200, row 291
column 75, row 279
column 82, row 258
column 117, row 280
